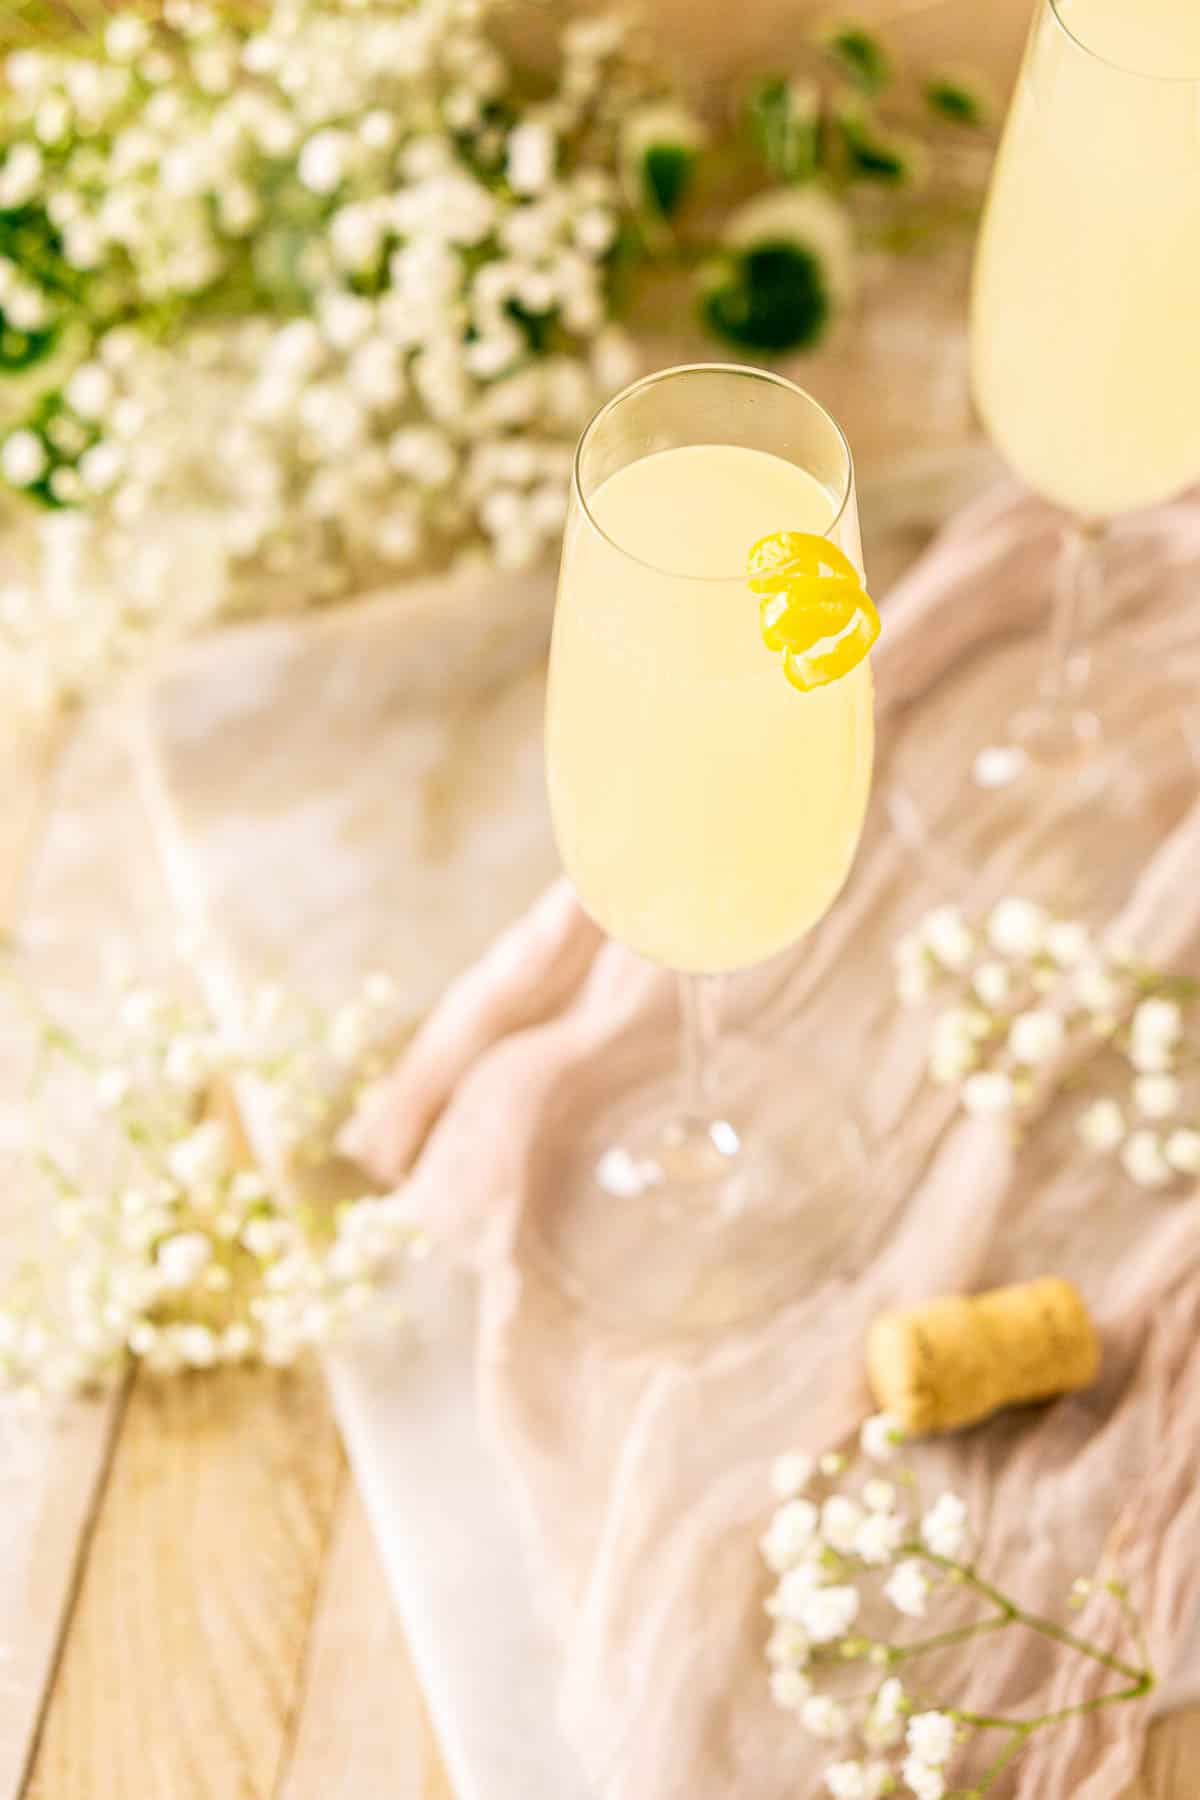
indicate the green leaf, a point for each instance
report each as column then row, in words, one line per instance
column 958, row 100
column 667, row 171
column 537, row 328
column 772, row 297
column 871, row 152
column 22, row 349
column 860, row 56
column 785, row 119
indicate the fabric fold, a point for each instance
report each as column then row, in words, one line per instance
column 641, row 1470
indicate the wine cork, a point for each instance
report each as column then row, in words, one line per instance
column 951, row 1361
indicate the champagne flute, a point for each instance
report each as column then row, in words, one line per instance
column 1084, row 360
column 707, row 813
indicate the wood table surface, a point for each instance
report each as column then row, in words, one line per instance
column 191, row 1605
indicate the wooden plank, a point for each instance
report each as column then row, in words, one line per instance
column 362, row 1730
column 181, row 1669
column 53, row 1463
column 52, row 1473
column 1172, row 1759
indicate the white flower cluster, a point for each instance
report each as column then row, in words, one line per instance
column 838, row 1547
column 183, row 1254
column 1025, row 984
column 409, row 266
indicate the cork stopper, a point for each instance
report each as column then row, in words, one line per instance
column 954, row 1360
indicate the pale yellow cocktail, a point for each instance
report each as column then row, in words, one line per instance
column 1087, row 280
column 706, row 811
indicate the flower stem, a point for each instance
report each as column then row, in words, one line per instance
column 943, row 1639
column 1017, row 1615
column 1139, row 1680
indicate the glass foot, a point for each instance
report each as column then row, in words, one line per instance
column 1066, row 805
column 660, row 1226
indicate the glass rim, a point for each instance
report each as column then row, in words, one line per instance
column 751, row 372
column 1162, row 77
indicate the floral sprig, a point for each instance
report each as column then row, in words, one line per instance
column 299, row 299
column 1022, row 986
column 168, row 1245
column 332, row 279
column 856, row 1560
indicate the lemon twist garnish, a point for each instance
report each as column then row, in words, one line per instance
column 812, row 605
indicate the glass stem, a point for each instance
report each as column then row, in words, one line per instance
column 1076, row 589
column 698, row 1034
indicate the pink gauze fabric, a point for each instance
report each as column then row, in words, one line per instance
column 641, row 1471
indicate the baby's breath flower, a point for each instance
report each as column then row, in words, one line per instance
column 1158, row 1022
column 23, row 459
column 203, row 1157
column 988, row 1092
column 791, row 1473
column 790, row 1687
column 141, row 1012
column 945, row 1526
column 188, row 1063
column 788, row 1644
column 814, row 1652
column 879, row 1537
column 1143, row 1159
column 247, row 1188
column 90, row 390
column 323, row 161
column 828, row 1613
column 792, row 1595
column 908, row 1589
column 930, row 1736
column 1034, row 1037
column 1182, row 1150
column 790, row 1534
column 858, row 1780
column 126, row 37
column 532, row 152
column 1102, row 1125
column 112, row 1088
column 884, row 1726
column 1068, row 942
column 954, row 1047
column 840, row 1520
column 181, row 1259
column 992, row 983
column 196, row 1345
column 822, row 1717
column 1097, row 990
column 926, row 1782
column 1016, row 927
column 1157, row 1096
column 948, row 937
column 881, row 1437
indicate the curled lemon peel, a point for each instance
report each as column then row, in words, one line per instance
column 813, row 608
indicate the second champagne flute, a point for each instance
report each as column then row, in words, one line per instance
column 1085, row 368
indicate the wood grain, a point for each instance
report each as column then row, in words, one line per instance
column 181, row 1669
column 52, row 1466
column 362, row 1729
column 1172, row 1767
column 52, row 1471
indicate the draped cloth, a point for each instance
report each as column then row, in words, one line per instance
column 640, row 1469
